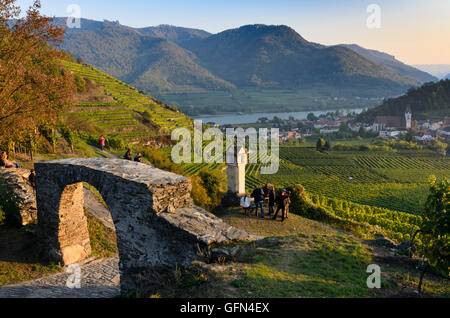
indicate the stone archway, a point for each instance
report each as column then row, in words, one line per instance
column 157, row 225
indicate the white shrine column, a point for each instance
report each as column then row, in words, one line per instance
column 236, row 172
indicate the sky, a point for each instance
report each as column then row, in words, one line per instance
column 414, row 31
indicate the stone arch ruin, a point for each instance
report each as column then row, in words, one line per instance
column 157, row 225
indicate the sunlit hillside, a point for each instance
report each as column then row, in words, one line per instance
column 108, row 106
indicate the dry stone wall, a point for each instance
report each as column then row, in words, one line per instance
column 157, row 225
column 14, row 184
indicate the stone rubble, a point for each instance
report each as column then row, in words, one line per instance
column 16, row 182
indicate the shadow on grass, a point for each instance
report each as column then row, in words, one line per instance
column 19, row 245
column 20, row 257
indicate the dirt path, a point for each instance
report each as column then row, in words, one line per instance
column 104, row 153
column 98, row 279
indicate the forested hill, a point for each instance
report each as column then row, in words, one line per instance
column 429, row 98
column 168, row 59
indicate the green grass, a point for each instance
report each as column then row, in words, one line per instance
column 305, row 266
column 103, row 239
column 298, row 258
column 21, row 259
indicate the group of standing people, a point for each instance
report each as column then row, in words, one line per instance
column 268, row 193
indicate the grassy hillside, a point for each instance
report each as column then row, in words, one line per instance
column 115, row 109
column 299, row 258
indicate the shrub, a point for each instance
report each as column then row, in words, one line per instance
column 160, row 160
column 69, row 136
column 49, row 133
column 213, row 181
column 115, row 143
column 435, row 228
column 199, row 194
column 302, row 205
column 80, row 83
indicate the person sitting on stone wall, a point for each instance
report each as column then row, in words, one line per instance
column 32, row 178
column 5, row 162
column 246, row 203
column 127, row 155
column 138, row 157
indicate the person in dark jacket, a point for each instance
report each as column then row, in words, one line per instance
column 258, row 195
column 32, row 178
column 138, row 157
column 282, row 202
column 128, row 155
column 272, row 196
column 266, row 190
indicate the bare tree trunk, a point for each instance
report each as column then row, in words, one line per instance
column 419, row 288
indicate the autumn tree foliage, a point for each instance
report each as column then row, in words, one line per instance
column 33, row 86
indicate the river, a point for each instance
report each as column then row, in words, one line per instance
column 230, row 119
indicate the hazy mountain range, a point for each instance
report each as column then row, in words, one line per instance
column 438, row 70
column 174, row 59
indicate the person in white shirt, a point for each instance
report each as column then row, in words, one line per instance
column 245, row 203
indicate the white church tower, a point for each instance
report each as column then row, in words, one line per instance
column 408, row 117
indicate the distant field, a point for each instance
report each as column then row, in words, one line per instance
column 263, row 101
column 393, row 180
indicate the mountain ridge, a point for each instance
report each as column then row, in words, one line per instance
column 430, row 97
column 134, row 58
column 170, row 59
column 390, row 61
column 273, row 56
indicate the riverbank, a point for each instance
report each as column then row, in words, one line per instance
column 241, row 118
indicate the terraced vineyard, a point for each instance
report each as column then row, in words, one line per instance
column 391, row 180
column 119, row 110
column 396, row 225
